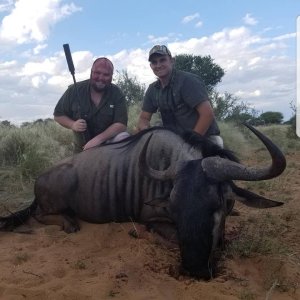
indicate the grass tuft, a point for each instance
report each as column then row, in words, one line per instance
column 257, row 236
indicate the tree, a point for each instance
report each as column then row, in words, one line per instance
column 38, row 122
column 130, row 86
column 6, row 123
column 291, row 133
column 202, row 66
column 226, row 107
column 272, row 117
column 229, row 108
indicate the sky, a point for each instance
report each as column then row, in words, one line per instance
column 254, row 41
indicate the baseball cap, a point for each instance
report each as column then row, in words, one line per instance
column 159, row 49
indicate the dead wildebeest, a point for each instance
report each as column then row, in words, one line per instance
column 192, row 177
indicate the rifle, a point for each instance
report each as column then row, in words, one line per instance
column 86, row 135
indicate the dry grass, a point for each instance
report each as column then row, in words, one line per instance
column 258, row 235
column 266, row 239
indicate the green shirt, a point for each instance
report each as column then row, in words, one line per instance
column 112, row 109
column 177, row 101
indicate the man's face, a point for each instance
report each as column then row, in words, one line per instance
column 161, row 65
column 101, row 76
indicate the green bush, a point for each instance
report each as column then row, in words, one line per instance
column 133, row 115
column 31, row 149
column 235, row 140
column 278, row 134
column 12, row 145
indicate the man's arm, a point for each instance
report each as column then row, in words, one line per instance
column 144, row 120
column 107, row 134
column 78, row 125
column 205, row 118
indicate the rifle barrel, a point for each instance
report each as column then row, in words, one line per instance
column 69, row 59
column 85, row 134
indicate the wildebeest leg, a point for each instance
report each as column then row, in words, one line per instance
column 162, row 233
column 67, row 222
column 138, row 231
column 54, row 191
column 165, row 230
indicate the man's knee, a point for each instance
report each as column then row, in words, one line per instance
column 216, row 139
column 120, row 136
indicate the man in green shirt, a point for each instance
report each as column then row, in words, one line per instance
column 181, row 98
column 99, row 108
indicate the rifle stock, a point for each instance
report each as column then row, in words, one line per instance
column 86, row 135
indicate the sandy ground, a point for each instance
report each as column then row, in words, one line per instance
column 104, row 262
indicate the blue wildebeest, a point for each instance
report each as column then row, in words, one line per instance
column 192, row 177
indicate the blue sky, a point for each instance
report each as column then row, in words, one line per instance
column 253, row 41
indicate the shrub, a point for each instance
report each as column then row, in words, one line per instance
column 31, row 149
column 259, row 235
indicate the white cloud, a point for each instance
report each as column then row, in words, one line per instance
column 248, row 94
column 285, row 36
column 39, row 48
column 254, row 61
column 190, row 18
column 135, row 63
column 31, row 21
column 255, row 69
column 158, row 40
column 7, row 65
column 255, row 72
column 6, row 5
column 248, row 20
column 199, row 24
column 37, row 81
column 152, row 39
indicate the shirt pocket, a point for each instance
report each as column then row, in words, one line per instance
column 182, row 109
column 75, row 114
column 104, row 118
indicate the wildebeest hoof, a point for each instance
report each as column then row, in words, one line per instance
column 234, row 212
column 23, row 229
column 71, row 228
column 138, row 231
column 133, row 232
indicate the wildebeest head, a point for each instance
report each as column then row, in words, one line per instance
column 198, row 210
column 198, row 201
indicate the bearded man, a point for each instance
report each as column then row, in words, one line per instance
column 96, row 106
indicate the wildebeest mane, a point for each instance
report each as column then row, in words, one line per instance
column 206, row 146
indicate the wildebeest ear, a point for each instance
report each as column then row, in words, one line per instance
column 253, row 200
column 159, row 202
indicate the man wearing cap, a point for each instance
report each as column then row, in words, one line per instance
column 97, row 106
column 181, row 98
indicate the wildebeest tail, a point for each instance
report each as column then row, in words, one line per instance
column 15, row 219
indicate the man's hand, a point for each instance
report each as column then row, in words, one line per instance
column 106, row 135
column 143, row 121
column 92, row 143
column 79, row 125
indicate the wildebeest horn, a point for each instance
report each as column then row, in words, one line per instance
column 167, row 174
column 222, row 169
